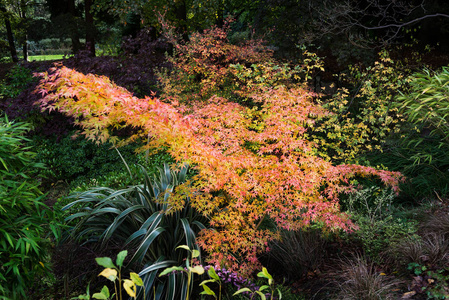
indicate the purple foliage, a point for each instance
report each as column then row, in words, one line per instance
column 22, row 108
column 228, row 277
column 133, row 69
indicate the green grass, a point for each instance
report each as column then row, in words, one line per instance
column 35, row 58
column 45, row 57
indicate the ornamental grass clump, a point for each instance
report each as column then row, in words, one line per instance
column 362, row 281
column 27, row 225
column 141, row 219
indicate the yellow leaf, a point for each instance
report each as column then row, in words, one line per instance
column 130, row 287
column 408, row 295
column 109, row 273
column 198, row 270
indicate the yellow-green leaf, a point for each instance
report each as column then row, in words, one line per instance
column 198, row 270
column 184, row 247
column 195, row 253
column 208, row 291
column 130, row 287
column 109, row 273
column 136, row 279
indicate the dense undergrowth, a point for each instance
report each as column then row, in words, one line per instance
column 307, row 183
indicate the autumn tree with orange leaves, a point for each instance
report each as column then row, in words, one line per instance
column 254, row 162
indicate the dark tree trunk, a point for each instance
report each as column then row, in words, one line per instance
column 220, row 13
column 90, row 28
column 12, row 47
column 181, row 15
column 25, row 49
column 74, row 36
column 23, row 16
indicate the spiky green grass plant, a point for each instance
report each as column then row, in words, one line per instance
column 142, row 220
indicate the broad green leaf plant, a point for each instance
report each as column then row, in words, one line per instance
column 214, row 278
column 113, row 273
column 270, row 287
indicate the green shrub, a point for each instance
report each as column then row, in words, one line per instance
column 376, row 236
column 140, row 219
column 24, row 219
column 363, row 116
column 77, row 160
column 17, row 80
column 422, row 159
column 374, row 212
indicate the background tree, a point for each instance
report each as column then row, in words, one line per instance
column 21, row 15
column 185, row 15
column 376, row 22
column 66, row 16
column 343, row 24
column 6, row 18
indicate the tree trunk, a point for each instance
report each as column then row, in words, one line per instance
column 12, row 47
column 74, row 36
column 23, row 16
column 25, row 49
column 90, row 28
column 181, row 15
column 220, row 13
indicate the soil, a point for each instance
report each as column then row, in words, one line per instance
column 4, row 69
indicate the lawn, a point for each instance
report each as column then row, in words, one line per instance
column 45, row 57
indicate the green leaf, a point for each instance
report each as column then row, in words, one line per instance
column 136, row 279
column 169, row 270
column 212, row 274
column 195, row 253
column 263, row 287
column 264, row 274
column 121, row 257
column 208, row 291
column 242, row 291
column 280, row 294
column 262, row 295
column 105, row 291
column 99, row 296
column 105, row 262
column 184, row 247
column 207, row 281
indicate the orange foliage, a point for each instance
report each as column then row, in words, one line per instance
column 253, row 163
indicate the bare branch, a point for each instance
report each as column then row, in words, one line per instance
column 354, row 21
